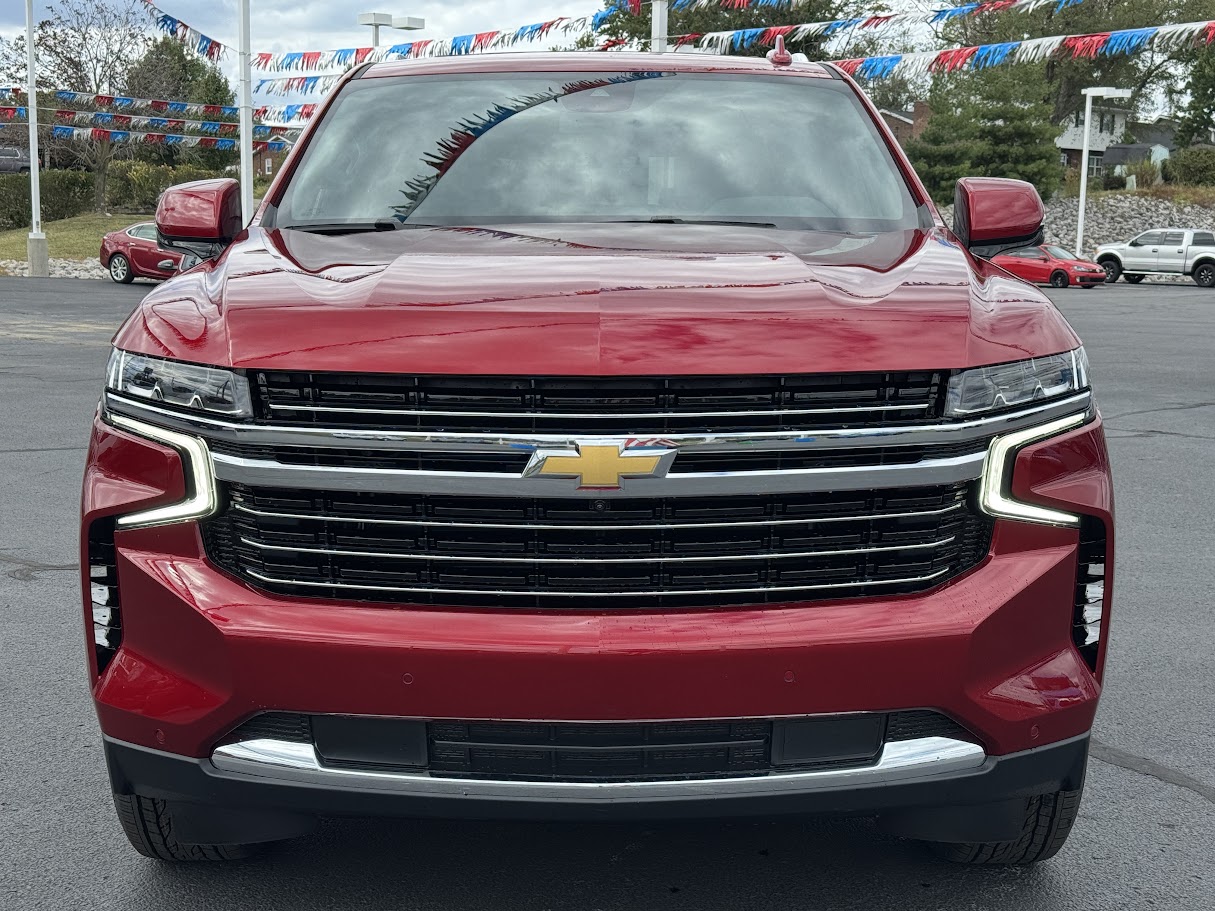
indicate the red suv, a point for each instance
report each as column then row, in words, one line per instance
column 577, row 435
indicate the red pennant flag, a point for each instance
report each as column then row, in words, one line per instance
column 361, row 54
column 100, row 135
column 311, row 60
column 176, row 124
column 483, row 40
column 307, row 111
column 770, row 34
column 419, row 47
column 123, row 120
column 212, row 110
column 259, row 146
column 879, row 21
column 1086, row 45
column 1210, row 32
column 954, row 59
column 208, row 142
column 65, row 115
column 103, row 101
column 159, row 105
column 687, row 39
column 850, row 66
column 226, row 128
column 154, row 138
column 263, row 61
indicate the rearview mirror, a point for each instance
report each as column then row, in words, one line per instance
column 200, row 217
column 994, row 214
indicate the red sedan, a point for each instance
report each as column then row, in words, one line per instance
column 134, row 253
column 1051, row 265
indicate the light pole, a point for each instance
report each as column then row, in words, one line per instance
column 246, row 113
column 1089, row 95
column 658, row 27
column 387, row 20
column 35, row 246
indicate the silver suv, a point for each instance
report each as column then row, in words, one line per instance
column 14, row 161
column 1162, row 251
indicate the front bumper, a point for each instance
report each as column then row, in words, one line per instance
column 927, row 776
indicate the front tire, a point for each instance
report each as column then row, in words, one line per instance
column 1059, row 280
column 1048, row 822
column 1134, row 277
column 1204, row 275
column 148, row 825
column 120, row 269
column 1113, row 269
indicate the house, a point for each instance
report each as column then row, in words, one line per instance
column 909, row 124
column 267, row 163
column 1108, row 127
column 1121, row 154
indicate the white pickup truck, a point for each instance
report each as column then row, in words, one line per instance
column 1163, row 251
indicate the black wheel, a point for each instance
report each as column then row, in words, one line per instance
column 1204, row 275
column 1113, row 269
column 1058, row 280
column 1048, row 822
column 120, row 269
column 1134, row 278
column 148, row 825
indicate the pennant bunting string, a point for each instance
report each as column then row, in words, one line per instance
column 106, row 119
column 96, row 134
column 185, row 35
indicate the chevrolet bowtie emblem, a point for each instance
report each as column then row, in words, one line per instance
column 602, row 466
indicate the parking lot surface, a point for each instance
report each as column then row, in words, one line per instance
column 1146, row 833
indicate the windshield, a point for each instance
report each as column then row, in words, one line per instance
column 1059, row 253
column 787, row 152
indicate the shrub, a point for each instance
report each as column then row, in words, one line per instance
column 64, row 194
column 1113, row 182
column 1194, row 166
column 1146, row 173
column 136, row 185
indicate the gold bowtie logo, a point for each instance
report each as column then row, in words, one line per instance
column 602, row 466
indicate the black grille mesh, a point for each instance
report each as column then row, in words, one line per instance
column 638, row 552
column 597, row 404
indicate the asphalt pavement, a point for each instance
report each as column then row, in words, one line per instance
column 1146, row 833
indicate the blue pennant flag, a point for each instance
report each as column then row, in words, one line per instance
column 178, row 107
column 226, row 145
column 1128, row 40
column 63, row 132
column 290, row 60
column 878, row 67
column 989, row 55
column 292, row 111
column 840, row 24
column 401, row 49
column 230, row 111
column 344, row 56
column 276, row 146
column 102, row 118
column 120, row 136
column 954, row 12
column 157, row 123
column 745, row 37
column 174, row 140
column 462, row 44
column 121, row 101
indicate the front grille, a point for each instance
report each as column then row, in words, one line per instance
column 596, row 554
column 633, row 406
column 580, row 752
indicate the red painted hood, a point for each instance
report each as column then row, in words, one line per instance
column 596, row 299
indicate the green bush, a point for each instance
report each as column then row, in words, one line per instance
column 136, row 185
column 1113, row 182
column 1194, row 166
column 64, row 194
column 1146, row 173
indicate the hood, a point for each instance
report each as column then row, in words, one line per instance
column 596, row 300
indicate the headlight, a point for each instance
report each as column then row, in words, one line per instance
column 986, row 389
column 210, row 389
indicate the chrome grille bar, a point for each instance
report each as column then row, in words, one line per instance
column 943, row 433
column 635, row 527
column 595, row 416
column 648, row 558
column 573, row 593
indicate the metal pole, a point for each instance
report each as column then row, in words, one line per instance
column 246, row 114
column 658, row 26
column 1088, row 119
column 375, row 36
column 35, row 246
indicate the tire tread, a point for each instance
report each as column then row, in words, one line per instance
column 148, row 825
column 1048, row 822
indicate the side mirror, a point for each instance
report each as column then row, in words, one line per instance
column 200, row 217
column 994, row 214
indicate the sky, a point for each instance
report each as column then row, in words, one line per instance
column 305, row 25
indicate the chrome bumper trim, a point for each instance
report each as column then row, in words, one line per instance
column 926, row 473
column 942, row 433
column 298, row 763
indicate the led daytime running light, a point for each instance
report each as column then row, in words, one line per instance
column 997, row 467
column 199, row 503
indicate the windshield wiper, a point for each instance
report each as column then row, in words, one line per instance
column 356, row 227
column 662, row 220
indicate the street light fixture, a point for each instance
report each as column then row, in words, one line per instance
column 1089, row 95
column 387, row 20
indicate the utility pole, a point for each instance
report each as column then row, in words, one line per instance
column 1089, row 95
column 35, row 247
column 246, row 113
column 658, row 26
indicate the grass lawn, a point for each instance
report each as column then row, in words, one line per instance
column 70, row 238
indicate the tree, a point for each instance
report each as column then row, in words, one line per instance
column 85, row 46
column 1198, row 115
column 168, row 70
column 988, row 124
